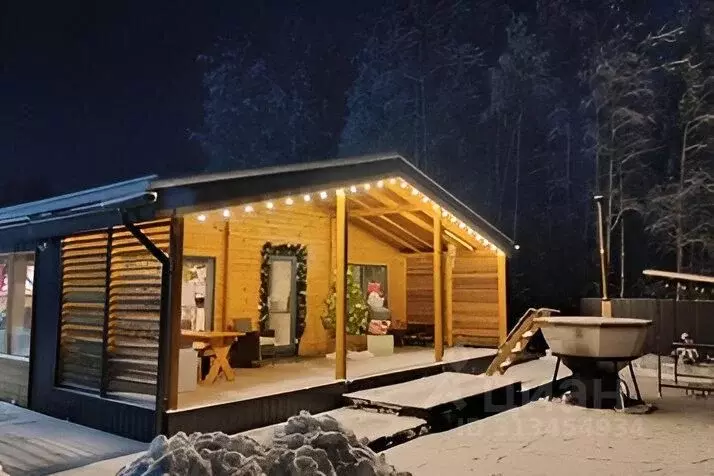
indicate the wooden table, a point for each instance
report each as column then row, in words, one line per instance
column 220, row 342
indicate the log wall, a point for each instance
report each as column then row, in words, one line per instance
column 307, row 225
column 475, row 295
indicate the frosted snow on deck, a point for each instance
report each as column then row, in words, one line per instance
column 429, row 392
column 364, row 424
column 549, row 438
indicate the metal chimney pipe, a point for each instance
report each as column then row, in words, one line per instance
column 606, row 306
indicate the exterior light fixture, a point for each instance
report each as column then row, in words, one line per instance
column 392, row 181
column 367, row 186
column 248, row 209
column 517, row 247
column 353, row 189
column 380, row 184
column 201, row 217
column 269, row 205
column 226, row 213
column 289, row 201
column 306, row 197
column 323, row 195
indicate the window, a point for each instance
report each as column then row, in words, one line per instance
column 16, row 275
column 371, row 277
column 197, row 293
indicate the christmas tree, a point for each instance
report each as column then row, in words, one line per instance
column 357, row 308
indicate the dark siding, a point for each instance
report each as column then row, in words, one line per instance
column 693, row 317
column 106, row 415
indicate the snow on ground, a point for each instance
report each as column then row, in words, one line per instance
column 365, row 424
column 549, row 438
column 306, row 445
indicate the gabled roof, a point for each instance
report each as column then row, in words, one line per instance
column 205, row 191
column 201, row 192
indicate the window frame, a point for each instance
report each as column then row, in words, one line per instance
column 9, row 257
column 385, row 284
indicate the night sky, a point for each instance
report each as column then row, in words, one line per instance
column 94, row 92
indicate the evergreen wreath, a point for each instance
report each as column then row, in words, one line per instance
column 300, row 253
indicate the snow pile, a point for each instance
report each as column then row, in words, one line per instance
column 305, row 445
column 3, row 473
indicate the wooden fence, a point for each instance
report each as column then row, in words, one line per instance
column 693, row 317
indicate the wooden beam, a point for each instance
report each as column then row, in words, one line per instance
column 176, row 259
column 391, row 223
column 375, row 212
column 386, row 233
column 502, row 311
column 226, row 274
column 341, row 289
column 438, row 310
column 447, row 225
column 449, row 294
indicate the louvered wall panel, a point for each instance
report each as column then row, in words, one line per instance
column 134, row 310
column 84, row 269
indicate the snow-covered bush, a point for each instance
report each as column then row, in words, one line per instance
column 304, row 446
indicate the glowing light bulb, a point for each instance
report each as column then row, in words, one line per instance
column 353, row 189
column 444, row 213
column 415, row 192
column 425, row 199
column 517, row 247
column 248, row 209
column 323, row 195
column 289, row 201
column 306, row 197
column 453, row 219
column 367, row 186
column 403, row 184
column 269, row 205
column 462, row 225
column 392, row 181
column 201, row 217
column 226, row 213
column 380, row 184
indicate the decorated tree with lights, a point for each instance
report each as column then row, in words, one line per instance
column 357, row 308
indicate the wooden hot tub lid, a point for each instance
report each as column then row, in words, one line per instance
column 591, row 321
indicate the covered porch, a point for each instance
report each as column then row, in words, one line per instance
column 263, row 281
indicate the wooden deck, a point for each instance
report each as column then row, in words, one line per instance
column 305, row 373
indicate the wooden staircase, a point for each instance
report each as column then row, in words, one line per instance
column 512, row 349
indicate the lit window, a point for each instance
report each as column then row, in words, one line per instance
column 16, row 285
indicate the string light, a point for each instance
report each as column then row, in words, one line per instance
column 324, row 195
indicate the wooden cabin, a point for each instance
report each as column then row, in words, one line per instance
column 125, row 274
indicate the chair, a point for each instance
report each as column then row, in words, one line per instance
column 245, row 350
column 267, row 344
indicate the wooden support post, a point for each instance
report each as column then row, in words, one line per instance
column 341, row 288
column 449, row 293
column 438, row 309
column 226, row 274
column 176, row 260
column 502, row 290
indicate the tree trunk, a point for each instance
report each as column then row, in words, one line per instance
column 680, row 204
column 622, row 256
column 518, row 174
